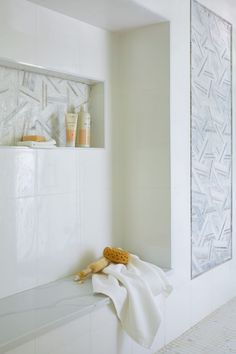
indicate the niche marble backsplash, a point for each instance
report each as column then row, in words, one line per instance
column 32, row 103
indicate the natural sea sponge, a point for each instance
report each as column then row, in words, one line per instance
column 116, row 255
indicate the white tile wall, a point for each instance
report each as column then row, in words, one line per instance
column 56, row 36
column 72, row 338
column 201, row 297
column 56, row 171
column 33, row 34
column 18, row 245
column 53, row 40
column 22, row 39
column 105, row 314
column 55, row 212
column 107, row 335
column 58, row 236
column 178, row 312
column 144, row 111
column 101, row 343
column 18, row 30
column 147, row 216
column 221, row 285
column 99, row 332
column 95, row 201
column 17, row 173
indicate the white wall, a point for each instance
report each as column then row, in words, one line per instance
column 55, row 214
column 55, row 205
column 36, row 35
column 142, row 87
column 97, row 333
column 191, row 300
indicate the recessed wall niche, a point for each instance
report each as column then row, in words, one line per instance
column 34, row 101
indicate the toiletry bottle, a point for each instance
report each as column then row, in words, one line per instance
column 71, row 125
column 83, row 128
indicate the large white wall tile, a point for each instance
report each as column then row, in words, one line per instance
column 82, row 344
column 112, row 337
column 70, row 45
column 72, row 338
column 180, row 235
column 17, row 173
column 94, row 168
column 106, row 315
column 58, row 236
column 18, row 245
column 92, row 42
column 18, row 30
column 73, row 209
column 96, row 221
column 144, row 101
column 56, row 36
column 148, row 224
column 201, row 297
column 104, row 341
column 178, row 313
column 136, row 46
column 221, row 285
column 94, row 196
column 36, row 35
column 56, row 171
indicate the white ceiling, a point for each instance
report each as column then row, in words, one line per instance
column 113, row 15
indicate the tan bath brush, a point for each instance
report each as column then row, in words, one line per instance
column 94, row 267
column 115, row 255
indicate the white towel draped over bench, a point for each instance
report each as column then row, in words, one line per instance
column 132, row 289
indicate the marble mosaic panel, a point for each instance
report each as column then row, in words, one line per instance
column 211, row 135
column 32, row 103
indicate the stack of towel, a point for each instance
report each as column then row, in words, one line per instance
column 38, row 144
column 133, row 289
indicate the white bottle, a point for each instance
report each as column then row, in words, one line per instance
column 83, row 128
column 71, row 124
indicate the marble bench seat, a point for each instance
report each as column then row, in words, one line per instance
column 29, row 314
column 33, row 313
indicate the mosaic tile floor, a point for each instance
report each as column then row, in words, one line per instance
column 214, row 335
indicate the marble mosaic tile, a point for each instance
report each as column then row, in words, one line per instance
column 32, row 103
column 211, row 139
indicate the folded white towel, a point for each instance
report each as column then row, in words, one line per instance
column 132, row 289
column 38, row 144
